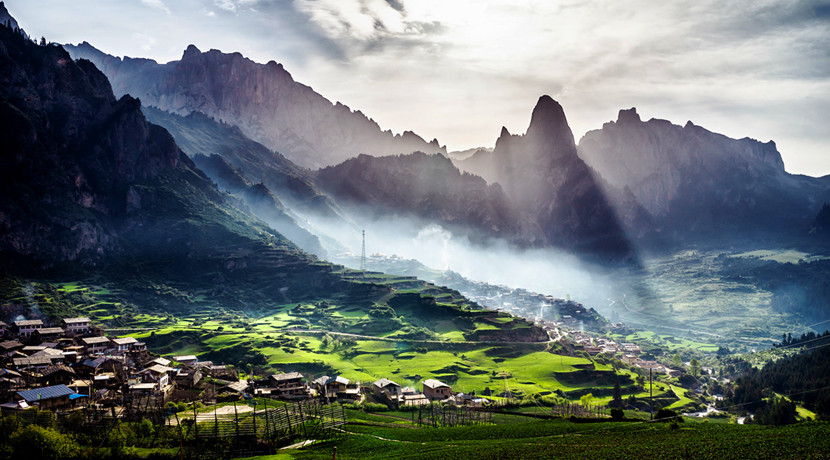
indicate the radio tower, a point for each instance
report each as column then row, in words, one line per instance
column 363, row 254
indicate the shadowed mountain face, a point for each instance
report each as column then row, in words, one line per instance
column 263, row 100
column 198, row 134
column 88, row 182
column 553, row 189
column 259, row 200
column 425, row 186
column 701, row 186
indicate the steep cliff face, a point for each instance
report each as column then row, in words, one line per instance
column 697, row 184
column 423, row 186
column 553, row 188
column 263, row 100
column 87, row 183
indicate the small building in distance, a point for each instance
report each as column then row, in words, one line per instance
column 95, row 345
column 76, row 326
column 387, row 391
column 124, row 344
column 187, row 360
column 46, row 334
column 54, row 397
column 25, row 328
column 436, row 390
column 288, row 386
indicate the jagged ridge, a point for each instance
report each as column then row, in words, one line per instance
column 263, row 100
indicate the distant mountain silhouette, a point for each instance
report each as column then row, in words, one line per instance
column 263, row 100
column 701, row 186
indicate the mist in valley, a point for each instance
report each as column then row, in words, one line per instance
column 545, row 271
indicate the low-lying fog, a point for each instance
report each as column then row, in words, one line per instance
column 545, row 271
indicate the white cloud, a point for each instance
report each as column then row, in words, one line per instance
column 458, row 70
column 159, row 4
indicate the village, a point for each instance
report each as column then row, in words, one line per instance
column 73, row 364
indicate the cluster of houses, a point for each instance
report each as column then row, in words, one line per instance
column 629, row 353
column 73, row 364
column 292, row 385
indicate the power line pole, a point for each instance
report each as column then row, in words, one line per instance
column 650, row 393
column 363, row 254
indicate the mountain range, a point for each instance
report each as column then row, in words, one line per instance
column 89, row 186
column 263, row 100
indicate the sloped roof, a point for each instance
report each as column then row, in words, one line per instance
column 159, row 369
column 320, row 380
column 32, row 361
column 28, row 322
column 239, row 386
column 287, row 376
column 39, row 394
column 339, row 379
column 50, row 330
column 384, row 382
column 162, row 361
column 182, row 358
column 51, row 352
column 8, row 344
column 124, row 341
column 53, row 369
column 95, row 340
column 82, row 319
column 432, row 383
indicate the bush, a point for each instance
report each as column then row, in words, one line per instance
column 665, row 415
column 617, row 414
column 33, row 441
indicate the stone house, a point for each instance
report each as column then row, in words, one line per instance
column 436, row 390
column 25, row 328
column 95, row 344
column 387, row 391
column 76, row 326
column 288, row 386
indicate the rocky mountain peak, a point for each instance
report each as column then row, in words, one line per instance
column 190, row 52
column 549, row 124
column 628, row 116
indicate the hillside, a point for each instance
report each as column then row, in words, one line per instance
column 699, row 186
column 423, row 186
column 262, row 99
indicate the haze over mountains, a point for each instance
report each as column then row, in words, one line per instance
column 698, row 185
column 264, row 101
column 646, row 184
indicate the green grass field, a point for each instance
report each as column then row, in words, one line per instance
column 564, row 439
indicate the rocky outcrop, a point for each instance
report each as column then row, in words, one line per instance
column 698, row 185
column 423, row 186
column 553, row 189
column 263, row 100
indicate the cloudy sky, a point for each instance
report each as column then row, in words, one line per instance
column 458, row 70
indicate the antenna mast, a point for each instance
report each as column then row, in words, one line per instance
column 363, row 254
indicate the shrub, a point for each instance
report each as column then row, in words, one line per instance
column 617, row 414
column 665, row 415
column 33, row 441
